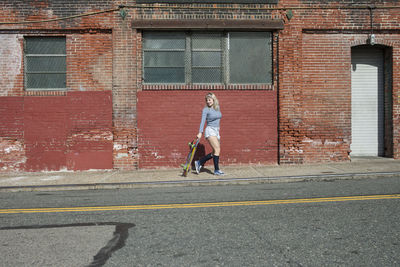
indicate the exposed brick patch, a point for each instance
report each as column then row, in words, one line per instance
column 12, row 155
column 11, row 69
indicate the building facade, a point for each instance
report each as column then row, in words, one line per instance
column 121, row 84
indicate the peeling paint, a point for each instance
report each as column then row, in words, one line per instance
column 293, row 149
column 307, row 140
column 12, row 148
column 155, row 154
column 121, row 155
column 330, row 143
column 319, row 142
column 10, row 52
column 12, row 155
column 120, row 146
column 94, row 135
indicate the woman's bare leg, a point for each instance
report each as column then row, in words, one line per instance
column 214, row 143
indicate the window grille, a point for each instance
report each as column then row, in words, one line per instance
column 206, row 54
column 45, row 63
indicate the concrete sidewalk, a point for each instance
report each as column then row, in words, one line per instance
column 49, row 181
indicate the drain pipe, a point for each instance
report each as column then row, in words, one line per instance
column 277, row 96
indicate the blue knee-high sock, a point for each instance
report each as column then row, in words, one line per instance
column 204, row 159
column 216, row 162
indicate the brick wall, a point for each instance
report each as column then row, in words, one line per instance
column 125, row 86
column 326, row 112
column 396, row 97
column 313, row 55
column 315, row 70
column 326, row 93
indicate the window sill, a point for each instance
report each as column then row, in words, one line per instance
column 45, row 93
column 207, row 87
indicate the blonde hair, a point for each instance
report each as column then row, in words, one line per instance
column 214, row 98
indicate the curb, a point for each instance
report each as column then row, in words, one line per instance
column 207, row 182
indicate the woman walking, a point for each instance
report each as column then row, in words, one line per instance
column 212, row 115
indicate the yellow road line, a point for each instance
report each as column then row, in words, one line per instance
column 201, row 205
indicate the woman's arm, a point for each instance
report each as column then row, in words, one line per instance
column 203, row 122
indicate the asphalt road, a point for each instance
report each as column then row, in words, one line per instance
column 340, row 223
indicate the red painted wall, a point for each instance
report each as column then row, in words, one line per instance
column 12, row 151
column 72, row 132
column 168, row 120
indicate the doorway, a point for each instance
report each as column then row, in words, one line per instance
column 370, row 101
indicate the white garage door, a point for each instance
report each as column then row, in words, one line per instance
column 367, row 88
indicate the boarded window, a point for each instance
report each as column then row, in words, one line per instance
column 45, row 63
column 249, row 57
